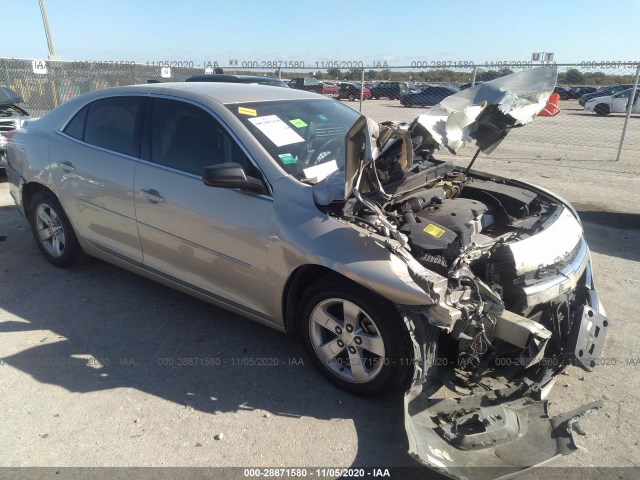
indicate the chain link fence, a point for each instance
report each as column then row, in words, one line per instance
column 572, row 134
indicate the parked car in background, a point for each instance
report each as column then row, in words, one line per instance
column 313, row 85
column 428, row 96
column 613, row 103
column 255, row 79
column 390, row 90
column 579, row 91
column 11, row 118
column 604, row 92
column 565, row 93
column 573, row 93
column 351, row 92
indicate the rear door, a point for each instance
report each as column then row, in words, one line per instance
column 213, row 239
column 620, row 101
column 93, row 163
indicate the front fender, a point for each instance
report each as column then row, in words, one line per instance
column 303, row 235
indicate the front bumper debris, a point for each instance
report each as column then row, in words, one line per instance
column 495, row 434
column 502, row 431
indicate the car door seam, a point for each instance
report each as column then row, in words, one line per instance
column 197, row 245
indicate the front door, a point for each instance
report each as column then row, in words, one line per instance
column 213, row 239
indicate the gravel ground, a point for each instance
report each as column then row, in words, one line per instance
column 95, row 367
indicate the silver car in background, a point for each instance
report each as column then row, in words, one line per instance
column 400, row 272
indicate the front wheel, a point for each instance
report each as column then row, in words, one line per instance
column 352, row 98
column 602, row 109
column 357, row 340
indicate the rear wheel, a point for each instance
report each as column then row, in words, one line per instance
column 356, row 339
column 351, row 97
column 602, row 109
column 53, row 232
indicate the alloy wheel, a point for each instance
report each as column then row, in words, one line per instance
column 50, row 231
column 347, row 340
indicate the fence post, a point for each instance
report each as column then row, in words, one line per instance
column 629, row 108
column 361, row 89
column 473, row 77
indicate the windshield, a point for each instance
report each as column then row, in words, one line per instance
column 305, row 137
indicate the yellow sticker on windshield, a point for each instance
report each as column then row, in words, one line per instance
column 296, row 122
column 247, row 111
column 433, row 230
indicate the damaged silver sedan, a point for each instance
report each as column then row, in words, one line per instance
column 399, row 271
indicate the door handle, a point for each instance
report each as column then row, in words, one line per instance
column 67, row 166
column 152, row 195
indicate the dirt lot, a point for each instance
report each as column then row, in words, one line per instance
column 95, row 365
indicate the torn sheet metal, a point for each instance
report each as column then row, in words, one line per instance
column 487, row 435
column 484, row 114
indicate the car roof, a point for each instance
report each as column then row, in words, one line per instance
column 223, row 77
column 219, row 91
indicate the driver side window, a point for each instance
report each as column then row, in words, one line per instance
column 187, row 138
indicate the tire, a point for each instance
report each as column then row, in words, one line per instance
column 387, row 361
column 53, row 232
column 352, row 98
column 602, row 109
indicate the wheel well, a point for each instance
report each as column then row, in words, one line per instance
column 28, row 191
column 298, row 282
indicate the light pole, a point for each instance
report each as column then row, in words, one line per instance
column 52, row 51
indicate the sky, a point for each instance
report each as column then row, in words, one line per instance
column 324, row 30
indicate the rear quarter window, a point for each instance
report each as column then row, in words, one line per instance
column 75, row 128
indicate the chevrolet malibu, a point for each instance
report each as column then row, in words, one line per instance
column 399, row 271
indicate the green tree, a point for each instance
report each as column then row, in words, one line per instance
column 370, row 75
column 353, row 74
column 486, row 75
column 334, row 73
column 574, row 76
column 384, row 74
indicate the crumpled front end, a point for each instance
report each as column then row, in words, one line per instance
column 505, row 265
column 502, row 356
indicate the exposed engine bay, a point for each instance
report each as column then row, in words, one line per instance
column 466, row 231
column 504, row 263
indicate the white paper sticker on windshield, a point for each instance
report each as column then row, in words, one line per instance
column 321, row 171
column 276, row 130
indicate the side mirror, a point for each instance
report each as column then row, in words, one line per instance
column 230, row 175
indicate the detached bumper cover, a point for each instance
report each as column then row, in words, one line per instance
column 490, row 435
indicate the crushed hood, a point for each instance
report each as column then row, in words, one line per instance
column 485, row 113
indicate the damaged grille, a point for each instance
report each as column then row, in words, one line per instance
column 7, row 126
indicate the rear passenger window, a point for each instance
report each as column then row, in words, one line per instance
column 114, row 124
column 187, row 138
column 75, row 128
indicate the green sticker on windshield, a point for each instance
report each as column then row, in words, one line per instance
column 288, row 159
column 296, row 122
